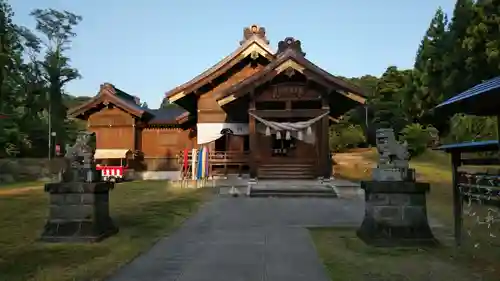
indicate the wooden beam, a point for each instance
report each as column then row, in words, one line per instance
column 457, row 198
column 334, row 119
column 298, row 113
column 480, row 161
column 290, row 64
column 176, row 96
column 226, row 100
column 352, row 96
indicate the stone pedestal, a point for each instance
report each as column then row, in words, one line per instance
column 395, row 214
column 79, row 212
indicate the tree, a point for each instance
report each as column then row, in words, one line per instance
column 457, row 78
column 428, row 73
column 11, row 138
column 8, row 40
column 57, row 30
column 482, row 41
column 388, row 101
column 368, row 83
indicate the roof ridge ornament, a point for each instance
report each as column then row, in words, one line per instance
column 292, row 44
column 107, row 88
column 254, row 30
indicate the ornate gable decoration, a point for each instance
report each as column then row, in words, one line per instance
column 290, row 43
column 107, row 88
column 254, row 30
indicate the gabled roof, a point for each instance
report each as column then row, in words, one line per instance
column 253, row 44
column 109, row 93
column 290, row 58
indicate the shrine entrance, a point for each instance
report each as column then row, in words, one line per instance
column 282, row 147
column 286, row 131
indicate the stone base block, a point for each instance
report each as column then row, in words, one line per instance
column 79, row 212
column 77, row 231
column 395, row 214
column 393, row 174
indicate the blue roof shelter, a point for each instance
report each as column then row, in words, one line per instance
column 480, row 100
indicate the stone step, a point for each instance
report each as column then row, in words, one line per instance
column 280, row 169
column 296, row 191
column 286, row 165
column 308, row 189
column 285, row 176
column 286, row 171
column 292, row 194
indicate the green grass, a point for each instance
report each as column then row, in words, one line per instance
column 348, row 258
column 144, row 212
column 480, row 252
column 22, row 184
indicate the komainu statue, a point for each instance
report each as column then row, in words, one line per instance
column 392, row 154
column 79, row 157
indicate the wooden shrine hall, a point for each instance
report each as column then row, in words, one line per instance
column 257, row 111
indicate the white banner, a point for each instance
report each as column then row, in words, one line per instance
column 209, row 132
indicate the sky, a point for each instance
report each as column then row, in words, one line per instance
column 148, row 47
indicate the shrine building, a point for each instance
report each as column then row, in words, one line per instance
column 257, row 111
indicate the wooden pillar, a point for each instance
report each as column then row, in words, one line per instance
column 318, row 149
column 325, row 148
column 326, row 163
column 252, row 139
column 457, row 198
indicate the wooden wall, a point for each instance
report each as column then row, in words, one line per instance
column 114, row 128
column 161, row 147
column 163, row 142
column 209, row 110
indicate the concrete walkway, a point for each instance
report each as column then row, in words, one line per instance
column 245, row 239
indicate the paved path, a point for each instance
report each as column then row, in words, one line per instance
column 245, row 239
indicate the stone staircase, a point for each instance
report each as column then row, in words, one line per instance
column 290, row 188
column 286, row 171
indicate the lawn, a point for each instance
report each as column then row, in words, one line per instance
column 144, row 212
column 23, row 184
column 346, row 256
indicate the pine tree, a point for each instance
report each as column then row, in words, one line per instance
column 457, row 78
column 483, row 41
column 429, row 71
column 429, row 66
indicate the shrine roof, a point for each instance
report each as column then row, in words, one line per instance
column 109, row 93
column 290, row 57
column 171, row 115
column 482, row 100
column 130, row 104
column 254, row 43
